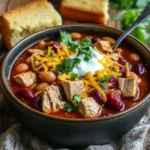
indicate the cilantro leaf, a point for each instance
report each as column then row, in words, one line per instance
column 128, row 17
column 65, row 38
column 105, row 78
column 129, row 3
column 67, row 65
column 104, row 85
column 103, row 81
column 69, row 107
column 83, row 47
column 73, row 76
column 77, row 98
column 52, row 53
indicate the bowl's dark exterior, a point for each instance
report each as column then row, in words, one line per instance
column 69, row 132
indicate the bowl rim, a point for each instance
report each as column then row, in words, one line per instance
column 10, row 93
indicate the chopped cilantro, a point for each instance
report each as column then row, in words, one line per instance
column 52, row 53
column 104, row 85
column 65, row 38
column 127, row 18
column 105, row 78
column 69, row 107
column 103, row 81
column 77, row 98
column 129, row 3
column 83, row 47
column 73, row 76
column 67, row 65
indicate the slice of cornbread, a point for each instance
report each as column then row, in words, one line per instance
column 85, row 10
column 27, row 19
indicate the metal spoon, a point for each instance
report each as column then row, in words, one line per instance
column 145, row 14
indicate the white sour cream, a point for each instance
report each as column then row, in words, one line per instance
column 86, row 66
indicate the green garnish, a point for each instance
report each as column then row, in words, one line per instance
column 67, row 65
column 129, row 3
column 127, row 17
column 52, row 53
column 103, row 81
column 104, row 85
column 69, row 107
column 83, row 47
column 65, row 38
column 105, row 78
column 73, row 76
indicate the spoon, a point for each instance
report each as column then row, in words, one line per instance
column 145, row 14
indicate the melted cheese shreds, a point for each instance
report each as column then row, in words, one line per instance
column 89, row 75
column 127, row 69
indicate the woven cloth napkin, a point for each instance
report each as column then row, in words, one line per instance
column 18, row 138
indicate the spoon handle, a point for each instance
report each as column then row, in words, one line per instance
column 141, row 18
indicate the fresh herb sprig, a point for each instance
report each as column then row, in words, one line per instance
column 103, row 81
column 129, row 3
column 67, row 65
column 83, row 47
column 128, row 17
column 73, row 106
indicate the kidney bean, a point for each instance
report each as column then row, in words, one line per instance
column 114, row 83
column 114, row 100
column 139, row 68
column 25, row 93
column 95, row 39
column 97, row 96
column 122, row 61
column 56, row 44
column 35, row 102
column 122, row 70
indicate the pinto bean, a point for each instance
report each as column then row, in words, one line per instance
column 76, row 35
column 48, row 77
column 41, row 86
column 42, row 45
column 119, row 50
column 23, row 67
column 134, row 56
column 109, row 39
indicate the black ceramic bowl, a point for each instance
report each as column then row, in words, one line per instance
column 73, row 132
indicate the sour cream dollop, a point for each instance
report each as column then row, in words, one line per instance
column 86, row 66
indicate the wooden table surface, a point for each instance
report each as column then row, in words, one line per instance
column 6, row 117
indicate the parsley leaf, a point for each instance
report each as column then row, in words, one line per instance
column 77, row 98
column 103, row 81
column 67, row 65
column 104, row 85
column 105, row 78
column 73, row 76
column 129, row 3
column 52, row 53
column 82, row 47
column 69, row 107
column 65, row 38
column 128, row 17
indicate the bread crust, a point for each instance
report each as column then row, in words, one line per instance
column 27, row 19
column 80, row 15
